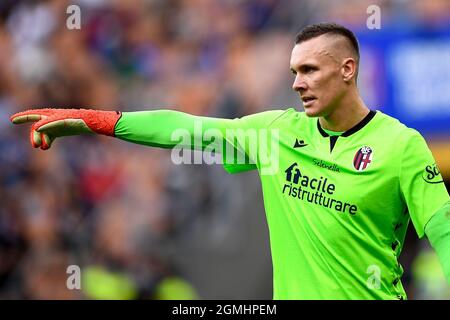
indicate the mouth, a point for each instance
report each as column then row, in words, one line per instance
column 308, row 100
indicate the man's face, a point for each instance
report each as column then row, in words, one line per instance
column 318, row 78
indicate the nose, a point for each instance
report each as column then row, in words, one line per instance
column 299, row 84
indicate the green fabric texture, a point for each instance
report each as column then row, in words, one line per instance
column 337, row 218
column 170, row 128
column 333, row 133
column 438, row 233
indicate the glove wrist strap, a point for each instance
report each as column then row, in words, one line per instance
column 101, row 122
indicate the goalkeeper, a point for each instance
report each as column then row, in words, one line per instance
column 347, row 179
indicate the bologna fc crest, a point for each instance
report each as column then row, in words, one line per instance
column 363, row 158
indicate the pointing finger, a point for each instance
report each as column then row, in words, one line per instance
column 17, row 119
column 32, row 115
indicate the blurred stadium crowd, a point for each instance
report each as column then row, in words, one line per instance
column 139, row 226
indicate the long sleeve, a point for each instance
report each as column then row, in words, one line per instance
column 438, row 233
column 234, row 139
column 169, row 128
column 421, row 184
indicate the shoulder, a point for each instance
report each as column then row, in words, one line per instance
column 273, row 117
column 399, row 132
column 395, row 126
column 283, row 117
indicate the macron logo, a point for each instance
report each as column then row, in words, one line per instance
column 299, row 144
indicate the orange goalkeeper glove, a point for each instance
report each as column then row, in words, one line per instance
column 52, row 123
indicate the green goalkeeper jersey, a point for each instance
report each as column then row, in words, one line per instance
column 337, row 207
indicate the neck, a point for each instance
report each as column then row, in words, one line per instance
column 346, row 114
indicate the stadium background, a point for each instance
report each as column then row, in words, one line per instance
column 138, row 226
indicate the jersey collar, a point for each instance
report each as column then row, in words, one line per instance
column 352, row 130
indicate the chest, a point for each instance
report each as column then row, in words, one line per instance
column 352, row 170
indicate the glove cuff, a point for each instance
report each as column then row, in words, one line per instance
column 101, row 122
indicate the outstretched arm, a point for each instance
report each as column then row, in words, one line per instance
column 235, row 139
column 154, row 128
column 169, row 128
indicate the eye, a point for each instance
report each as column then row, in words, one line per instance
column 308, row 69
column 294, row 72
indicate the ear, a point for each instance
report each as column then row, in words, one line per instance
column 348, row 69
